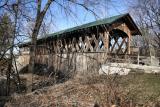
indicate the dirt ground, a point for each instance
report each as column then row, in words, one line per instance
column 91, row 91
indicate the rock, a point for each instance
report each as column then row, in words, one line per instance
column 105, row 69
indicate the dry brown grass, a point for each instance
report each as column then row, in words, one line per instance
column 95, row 91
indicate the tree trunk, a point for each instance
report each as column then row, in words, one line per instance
column 39, row 19
column 32, row 54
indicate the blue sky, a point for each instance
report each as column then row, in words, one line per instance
column 61, row 21
column 106, row 9
column 112, row 8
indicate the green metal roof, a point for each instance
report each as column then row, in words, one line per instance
column 91, row 24
column 109, row 20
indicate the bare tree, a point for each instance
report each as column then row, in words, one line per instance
column 41, row 9
column 147, row 13
column 8, row 36
column 24, row 13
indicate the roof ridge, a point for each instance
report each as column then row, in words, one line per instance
column 76, row 27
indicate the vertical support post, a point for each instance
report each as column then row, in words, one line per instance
column 129, row 48
column 138, row 56
column 106, row 38
column 129, row 39
column 126, row 30
column 138, row 51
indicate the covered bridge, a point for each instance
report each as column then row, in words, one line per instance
column 85, row 46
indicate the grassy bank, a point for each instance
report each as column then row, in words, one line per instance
column 136, row 89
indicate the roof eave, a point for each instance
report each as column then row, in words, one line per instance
column 137, row 32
